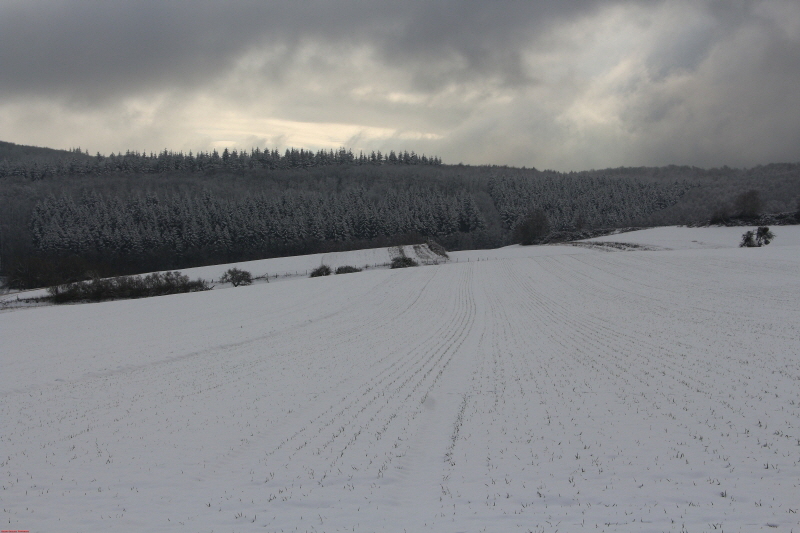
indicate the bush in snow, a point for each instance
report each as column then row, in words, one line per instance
column 236, row 277
column 322, row 270
column 761, row 237
column 764, row 236
column 347, row 269
column 403, row 262
column 125, row 287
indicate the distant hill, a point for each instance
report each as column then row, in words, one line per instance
column 11, row 152
column 66, row 211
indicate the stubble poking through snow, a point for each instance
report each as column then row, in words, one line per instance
column 627, row 391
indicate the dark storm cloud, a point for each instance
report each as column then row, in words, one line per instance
column 63, row 47
column 123, row 47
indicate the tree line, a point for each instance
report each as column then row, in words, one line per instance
column 579, row 202
column 80, row 163
column 70, row 213
column 144, row 232
column 148, row 231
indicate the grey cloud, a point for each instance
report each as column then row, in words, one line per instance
column 684, row 51
column 717, row 85
column 70, row 48
column 123, row 47
column 476, row 38
column 739, row 106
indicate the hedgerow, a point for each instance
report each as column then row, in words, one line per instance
column 347, row 269
column 126, row 287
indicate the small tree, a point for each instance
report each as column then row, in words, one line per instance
column 403, row 262
column 761, row 237
column 532, row 228
column 764, row 236
column 748, row 240
column 236, row 277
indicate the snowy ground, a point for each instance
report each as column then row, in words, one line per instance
column 683, row 238
column 539, row 389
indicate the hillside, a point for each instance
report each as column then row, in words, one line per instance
column 525, row 388
column 63, row 214
column 22, row 156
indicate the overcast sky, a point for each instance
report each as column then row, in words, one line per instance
column 566, row 85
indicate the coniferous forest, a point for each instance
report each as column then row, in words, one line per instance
column 65, row 215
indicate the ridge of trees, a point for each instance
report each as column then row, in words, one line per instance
column 76, row 162
column 63, row 213
column 207, row 226
column 585, row 201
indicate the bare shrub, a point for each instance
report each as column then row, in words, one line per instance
column 347, row 269
column 748, row 240
column 764, row 236
column 322, row 270
column 236, row 277
column 403, row 262
column 760, row 237
column 126, row 287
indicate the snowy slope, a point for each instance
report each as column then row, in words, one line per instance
column 301, row 265
column 515, row 252
column 582, row 390
column 682, row 238
column 285, row 268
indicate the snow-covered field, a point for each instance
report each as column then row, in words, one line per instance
column 681, row 238
column 552, row 388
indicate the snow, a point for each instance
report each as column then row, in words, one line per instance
column 286, row 268
column 682, row 238
column 515, row 252
column 552, row 388
column 302, row 265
